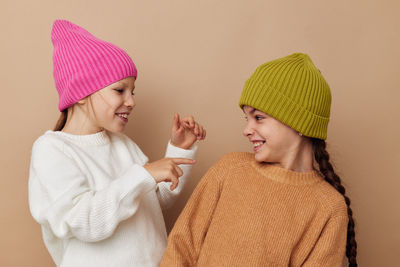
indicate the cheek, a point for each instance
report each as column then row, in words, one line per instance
column 276, row 137
column 286, row 137
column 102, row 112
column 270, row 134
column 263, row 130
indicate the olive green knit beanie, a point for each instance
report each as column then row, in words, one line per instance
column 292, row 90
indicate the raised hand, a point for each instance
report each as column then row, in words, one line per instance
column 186, row 131
column 167, row 170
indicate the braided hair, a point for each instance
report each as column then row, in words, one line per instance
column 326, row 169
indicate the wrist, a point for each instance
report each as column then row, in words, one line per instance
column 183, row 146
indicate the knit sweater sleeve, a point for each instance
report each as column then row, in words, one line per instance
column 331, row 245
column 60, row 196
column 187, row 236
column 164, row 194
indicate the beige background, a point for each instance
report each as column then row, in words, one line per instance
column 193, row 58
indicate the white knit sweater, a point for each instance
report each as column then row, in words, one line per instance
column 95, row 202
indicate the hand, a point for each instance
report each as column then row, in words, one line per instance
column 167, row 170
column 186, row 131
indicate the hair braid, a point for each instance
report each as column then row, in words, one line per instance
column 325, row 167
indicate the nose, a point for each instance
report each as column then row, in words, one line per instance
column 130, row 101
column 248, row 130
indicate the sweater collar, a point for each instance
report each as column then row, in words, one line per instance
column 99, row 138
column 286, row 176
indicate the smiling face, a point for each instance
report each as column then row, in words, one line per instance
column 272, row 140
column 110, row 107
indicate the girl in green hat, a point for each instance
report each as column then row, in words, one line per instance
column 284, row 205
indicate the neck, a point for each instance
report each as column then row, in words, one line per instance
column 79, row 123
column 300, row 158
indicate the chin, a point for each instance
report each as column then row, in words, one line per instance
column 265, row 156
column 259, row 158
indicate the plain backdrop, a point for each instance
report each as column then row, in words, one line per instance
column 193, row 57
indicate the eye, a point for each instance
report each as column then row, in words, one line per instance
column 120, row 91
column 258, row 118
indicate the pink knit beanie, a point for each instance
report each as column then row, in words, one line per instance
column 84, row 64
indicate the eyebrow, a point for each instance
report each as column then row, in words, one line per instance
column 119, row 84
column 251, row 112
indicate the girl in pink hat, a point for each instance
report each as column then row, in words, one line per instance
column 98, row 200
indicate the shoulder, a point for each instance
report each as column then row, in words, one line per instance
column 232, row 161
column 236, row 158
column 47, row 142
column 330, row 199
column 48, row 152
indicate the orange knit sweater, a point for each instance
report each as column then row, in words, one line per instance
column 244, row 213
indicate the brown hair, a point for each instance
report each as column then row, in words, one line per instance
column 61, row 120
column 326, row 169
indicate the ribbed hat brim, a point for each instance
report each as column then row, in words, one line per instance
column 292, row 90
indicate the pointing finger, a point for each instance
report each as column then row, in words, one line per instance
column 183, row 161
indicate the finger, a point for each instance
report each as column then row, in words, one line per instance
column 190, row 121
column 179, row 171
column 173, row 174
column 201, row 133
column 196, row 129
column 183, row 161
column 175, row 182
column 176, row 122
column 186, row 124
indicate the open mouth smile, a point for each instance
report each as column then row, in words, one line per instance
column 257, row 145
column 123, row 116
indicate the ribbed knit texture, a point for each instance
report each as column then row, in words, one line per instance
column 292, row 90
column 84, row 64
column 244, row 213
column 96, row 204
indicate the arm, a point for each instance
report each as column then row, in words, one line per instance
column 184, row 133
column 331, row 245
column 61, row 199
column 165, row 195
column 187, row 236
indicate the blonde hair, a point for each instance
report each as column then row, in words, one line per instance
column 62, row 120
